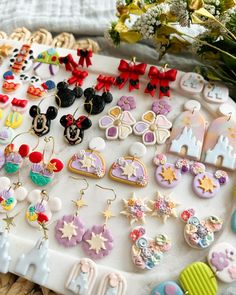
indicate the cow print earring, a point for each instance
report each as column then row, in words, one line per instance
column 74, row 128
column 42, row 121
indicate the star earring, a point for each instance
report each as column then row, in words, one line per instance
column 70, row 229
column 97, row 242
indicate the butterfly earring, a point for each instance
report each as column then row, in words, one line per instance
column 97, row 242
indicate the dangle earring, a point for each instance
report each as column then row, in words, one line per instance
column 42, row 169
column 74, row 128
column 13, row 158
column 4, row 102
column 70, row 229
column 97, row 242
column 41, row 123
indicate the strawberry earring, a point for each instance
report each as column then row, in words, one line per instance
column 42, row 169
column 97, row 242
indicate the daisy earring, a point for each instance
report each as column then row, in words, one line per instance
column 97, row 241
column 69, row 230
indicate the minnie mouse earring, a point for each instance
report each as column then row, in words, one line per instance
column 42, row 121
column 74, row 128
column 42, row 170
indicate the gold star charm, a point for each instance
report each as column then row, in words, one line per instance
column 97, row 242
column 68, row 230
column 107, row 214
column 163, row 207
column 129, row 169
column 51, row 167
column 135, row 209
column 168, row 174
column 79, row 203
column 5, row 50
column 206, row 184
column 87, row 162
column 9, row 222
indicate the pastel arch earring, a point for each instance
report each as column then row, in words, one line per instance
column 69, row 230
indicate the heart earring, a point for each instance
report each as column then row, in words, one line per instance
column 74, row 128
column 14, row 158
column 188, row 132
column 69, row 230
column 89, row 162
column 97, row 242
column 42, row 169
column 129, row 169
column 41, row 207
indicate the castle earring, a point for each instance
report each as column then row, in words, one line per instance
column 69, row 230
column 129, row 169
column 97, row 242
column 188, row 132
column 113, row 284
column 89, row 162
column 41, row 207
column 199, row 234
column 41, row 122
column 42, row 169
column 220, row 142
column 74, row 128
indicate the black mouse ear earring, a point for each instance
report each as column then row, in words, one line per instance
column 74, row 127
column 65, row 96
column 41, row 123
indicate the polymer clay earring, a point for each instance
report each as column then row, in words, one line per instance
column 11, row 83
column 82, row 277
column 85, row 56
column 97, row 242
column 113, row 284
column 160, row 78
column 41, row 207
column 5, row 51
column 153, row 128
column 129, row 169
column 69, row 230
column 89, row 162
column 74, row 128
column 118, row 123
column 169, row 175
column 46, row 64
column 215, row 92
column 22, row 59
column 188, row 132
column 220, row 142
column 130, row 72
column 65, row 97
column 206, row 184
column 4, row 103
column 13, row 157
column 42, row 170
column 10, row 194
column 41, row 122
column 199, row 234
column 192, row 83
column 147, row 252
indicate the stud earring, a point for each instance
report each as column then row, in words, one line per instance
column 69, row 230
column 97, row 242
column 41, row 122
column 11, row 82
column 42, row 169
column 22, row 59
column 89, row 162
column 74, row 128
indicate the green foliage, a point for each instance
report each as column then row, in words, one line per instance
column 115, row 36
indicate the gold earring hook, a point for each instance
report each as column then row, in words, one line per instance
column 133, row 59
column 85, row 180
column 109, row 201
column 47, row 141
column 30, row 131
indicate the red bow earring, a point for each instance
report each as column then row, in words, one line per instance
column 85, row 57
column 130, row 71
column 160, row 78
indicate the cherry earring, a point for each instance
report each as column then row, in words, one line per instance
column 97, row 242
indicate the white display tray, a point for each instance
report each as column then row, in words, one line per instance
column 23, row 237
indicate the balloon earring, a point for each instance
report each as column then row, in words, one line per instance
column 97, row 242
column 42, row 169
column 14, row 158
column 41, row 122
column 70, row 229
column 74, row 128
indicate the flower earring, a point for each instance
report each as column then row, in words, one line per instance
column 90, row 162
column 69, row 230
column 42, row 169
column 97, row 242
column 74, row 128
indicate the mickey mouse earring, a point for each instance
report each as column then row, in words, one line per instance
column 74, row 128
column 65, row 96
column 42, row 121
